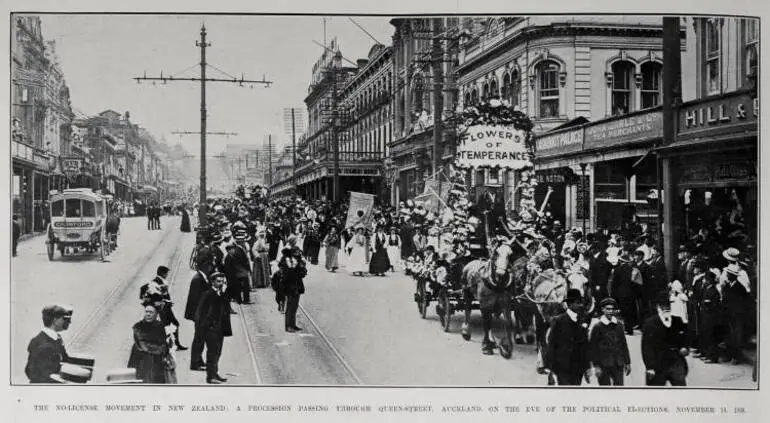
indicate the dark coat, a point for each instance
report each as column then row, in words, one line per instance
column 213, row 314
column 600, row 270
column 735, row 299
column 655, row 278
column 622, row 285
column 567, row 350
column 661, row 345
column 45, row 358
column 608, row 346
column 198, row 285
column 291, row 277
column 237, row 264
column 148, row 352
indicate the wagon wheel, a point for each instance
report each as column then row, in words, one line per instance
column 102, row 248
column 422, row 300
column 50, row 247
column 446, row 306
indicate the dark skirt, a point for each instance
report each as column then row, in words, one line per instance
column 185, row 226
column 150, row 368
column 379, row 262
column 261, row 274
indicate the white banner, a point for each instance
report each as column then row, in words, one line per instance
column 493, row 146
column 360, row 210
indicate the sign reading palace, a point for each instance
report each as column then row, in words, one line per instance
column 493, row 146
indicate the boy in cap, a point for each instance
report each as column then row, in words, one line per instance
column 46, row 349
column 567, row 353
column 608, row 349
column 664, row 346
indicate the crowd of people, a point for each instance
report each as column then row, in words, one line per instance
column 707, row 310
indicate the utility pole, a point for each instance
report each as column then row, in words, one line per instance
column 668, row 203
column 270, row 160
column 294, row 147
column 202, row 79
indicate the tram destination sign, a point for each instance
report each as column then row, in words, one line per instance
column 626, row 130
column 84, row 224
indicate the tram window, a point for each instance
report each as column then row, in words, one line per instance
column 57, row 208
column 73, row 208
column 99, row 209
column 88, row 209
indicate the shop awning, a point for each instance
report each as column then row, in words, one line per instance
column 717, row 143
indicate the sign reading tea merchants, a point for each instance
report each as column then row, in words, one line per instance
column 626, row 130
column 493, row 146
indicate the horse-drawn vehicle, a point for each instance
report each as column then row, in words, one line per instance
column 78, row 223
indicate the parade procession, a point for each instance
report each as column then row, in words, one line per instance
column 475, row 202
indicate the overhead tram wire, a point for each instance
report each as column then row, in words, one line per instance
column 366, row 32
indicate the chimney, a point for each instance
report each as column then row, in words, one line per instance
column 362, row 63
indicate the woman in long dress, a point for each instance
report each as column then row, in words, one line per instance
column 356, row 248
column 332, row 244
column 260, row 250
column 185, row 226
column 394, row 248
column 379, row 263
column 151, row 347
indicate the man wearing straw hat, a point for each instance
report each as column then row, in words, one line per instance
column 46, row 350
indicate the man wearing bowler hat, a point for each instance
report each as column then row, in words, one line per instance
column 212, row 320
column 238, row 268
column 46, row 349
column 567, row 353
column 664, row 346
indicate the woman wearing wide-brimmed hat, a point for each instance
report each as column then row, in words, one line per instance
column 332, row 244
column 150, row 355
column 394, row 248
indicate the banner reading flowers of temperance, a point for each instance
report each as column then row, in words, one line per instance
column 485, row 146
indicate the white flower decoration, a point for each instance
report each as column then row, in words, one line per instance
column 495, row 103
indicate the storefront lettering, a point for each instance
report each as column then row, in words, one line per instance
column 725, row 111
column 629, row 129
column 563, row 142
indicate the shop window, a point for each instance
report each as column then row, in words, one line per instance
column 609, row 181
column 713, row 43
column 622, row 74
column 548, row 88
column 57, row 208
column 652, row 79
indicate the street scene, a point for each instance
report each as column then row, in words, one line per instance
column 430, row 201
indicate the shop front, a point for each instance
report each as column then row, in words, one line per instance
column 715, row 160
column 566, row 203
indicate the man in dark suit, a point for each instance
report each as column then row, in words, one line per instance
column 212, row 319
column 46, row 350
column 198, row 286
column 292, row 270
column 664, row 346
column 600, row 270
column 238, row 268
column 567, row 352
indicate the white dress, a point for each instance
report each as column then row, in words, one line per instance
column 357, row 257
column 394, row 251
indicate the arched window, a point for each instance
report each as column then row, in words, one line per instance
column 713, row 45
column 515, row 91
column 474, row 96
column 622, row 74
column 505, row 90
column 548, row 88
column 652, row 79
column 485, row 92
column 493, row 92
column 467, row 99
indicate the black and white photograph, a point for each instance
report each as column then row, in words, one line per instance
column 428, row 200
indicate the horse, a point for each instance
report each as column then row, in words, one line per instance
column 490, row 281
column 542, row 290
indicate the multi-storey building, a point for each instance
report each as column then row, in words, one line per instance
column 592, row 86
column 421, row 67
column 713, row 159
column 367, row 126
column 40, row 109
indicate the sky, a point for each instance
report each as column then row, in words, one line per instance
column 100, row 54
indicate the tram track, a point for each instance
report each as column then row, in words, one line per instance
column 330, row 345
column 142, row 264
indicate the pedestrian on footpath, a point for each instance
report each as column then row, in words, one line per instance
column 212, row 319
column 664, row 346
column 198, row 286
column 567, row 353
column 46, row 350
column 608, row 349
column 293, row 269
column 710, row 316
column 16, row 234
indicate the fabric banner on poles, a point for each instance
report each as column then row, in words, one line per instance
column 360, row 210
